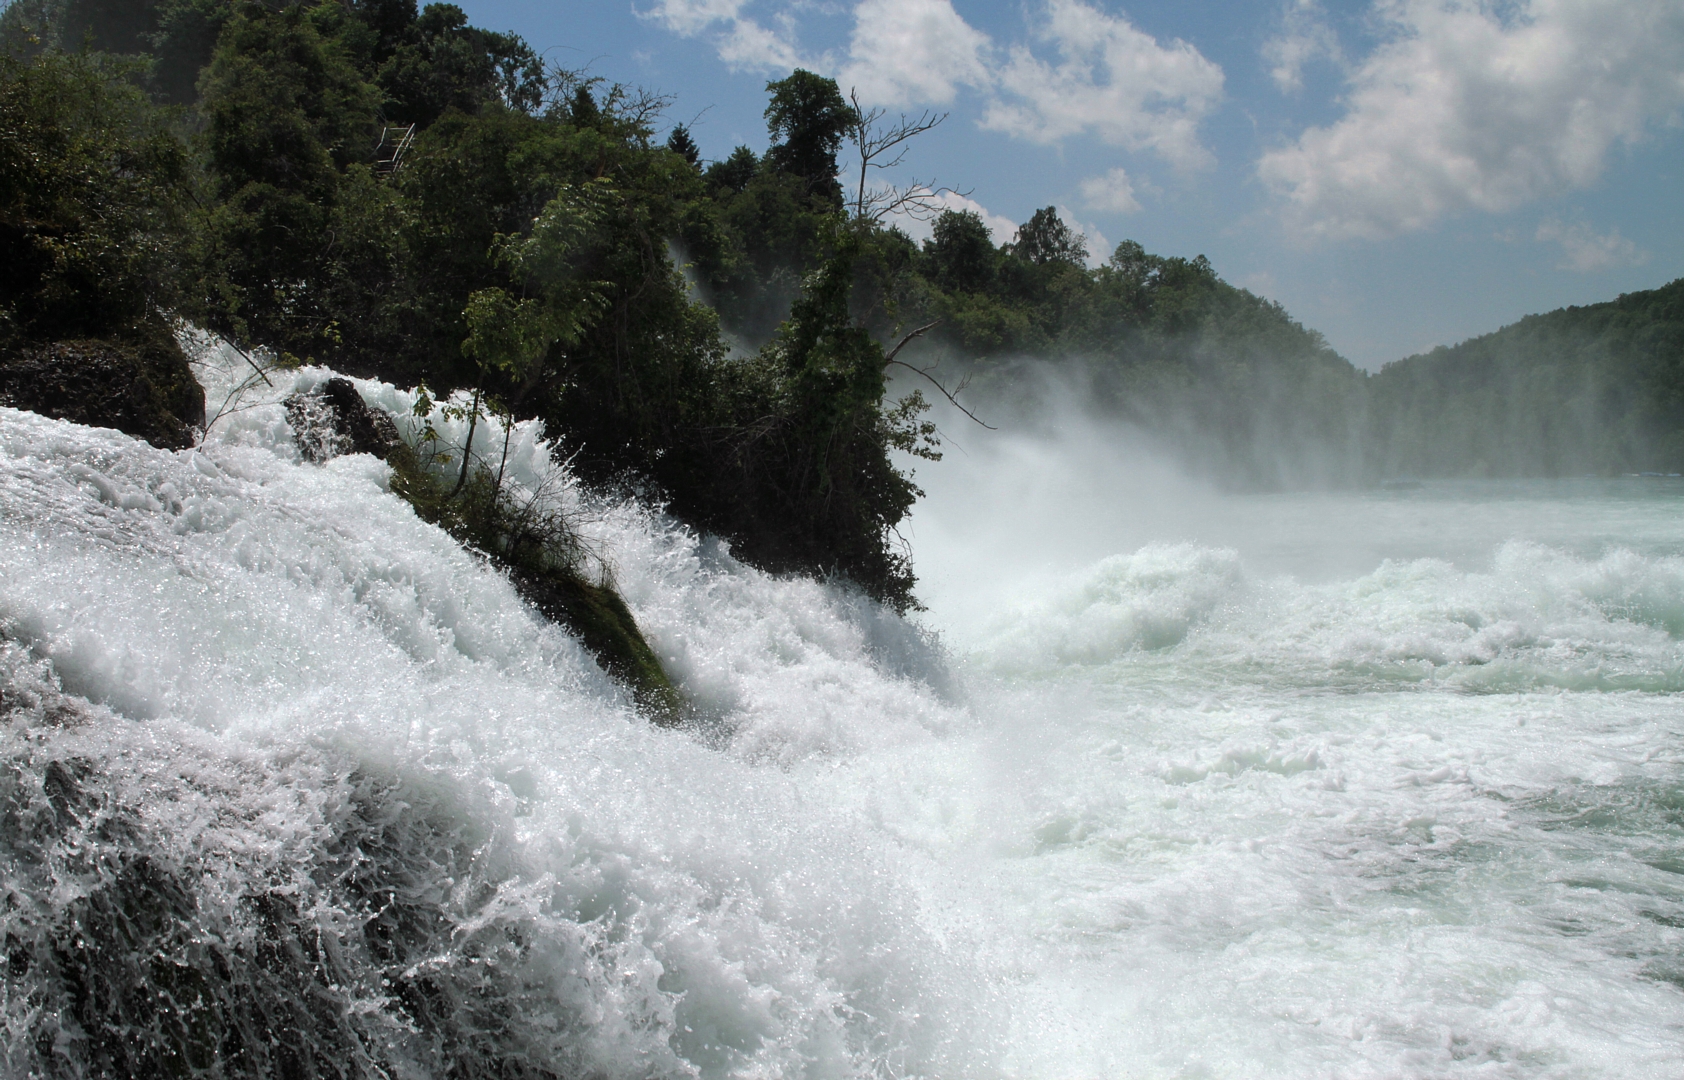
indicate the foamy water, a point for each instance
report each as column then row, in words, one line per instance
column 1166, row 784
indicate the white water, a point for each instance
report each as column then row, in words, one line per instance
column 1196, row 786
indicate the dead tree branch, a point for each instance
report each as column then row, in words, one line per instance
column 950, row 395
column 883, row 146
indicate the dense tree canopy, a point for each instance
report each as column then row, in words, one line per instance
column 396, row 192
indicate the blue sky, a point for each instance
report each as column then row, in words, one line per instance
column 1398, row 173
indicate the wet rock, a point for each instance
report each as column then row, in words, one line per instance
column 141, row 386
column 334, row 419
column 605, row 626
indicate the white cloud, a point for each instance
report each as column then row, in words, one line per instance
column 750, row 46
column 1001, row 228
column 1470, row 107
column 1304, row 37
column 743, row 43
column 1113, row 192
column 1108, row 78
column 1586, row 251
column 913, row 51
column 690, row 17
column 1111, row 80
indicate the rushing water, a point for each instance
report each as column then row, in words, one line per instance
column 1166, row 783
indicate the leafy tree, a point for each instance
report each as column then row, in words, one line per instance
column 802, row 480
column 734, row 173
column 285, row 111
column 582, row 109
column 680, row 143
column 808, row 118
column 93, row 194
column 439, row 62
column 960, row 253
column 1045, row 238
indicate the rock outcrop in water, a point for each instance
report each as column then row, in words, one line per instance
column 334, row 419
column 143, row 387
column 350, row 955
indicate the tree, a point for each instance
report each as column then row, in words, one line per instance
column 439, row 62
column 882, row 147
column 93, row 195
column 680, row 143
column 734, row 173
column 960, row 251
column 808, row 119
column 1045, row 239
column 285, row 110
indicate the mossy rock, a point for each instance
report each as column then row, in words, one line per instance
column 596, row 613
column 140, row 384
column 478, row 517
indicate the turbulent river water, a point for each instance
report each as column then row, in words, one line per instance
column 1166, row 783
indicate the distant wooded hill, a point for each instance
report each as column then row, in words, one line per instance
column 1596, row 389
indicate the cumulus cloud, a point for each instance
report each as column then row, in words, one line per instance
column 1105, row 77
column 1113, row 192
column 1304, row 37
column 1467, row 106
column 689, row 17
column 1586, row 251
column 751, row 47
column 1001, row 228
column 1110, row 80
column 907, row 51
column 742, row 42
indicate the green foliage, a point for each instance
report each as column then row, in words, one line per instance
column 1045, row 238
column 732, row 176
column 437, row 62
column 807, row 118
column 804, row 479
column 1597, row 389
column 960, row 254
column 93, row 196
column 508, row 335
column 286, row 112
column 544, row 557
column 680, row 143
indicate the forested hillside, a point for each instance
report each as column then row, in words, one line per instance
column 392, row 191
column 1596, row 389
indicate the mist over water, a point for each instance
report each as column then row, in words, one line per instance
column 1166, row 783
column 1378, row 783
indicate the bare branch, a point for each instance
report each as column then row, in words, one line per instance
column 243, row 353
column 920, row 332
column 950, row 395
column 882, row 147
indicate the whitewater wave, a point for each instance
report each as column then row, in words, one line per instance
column 278, row 757
column 1537, row 617
column 397, row 812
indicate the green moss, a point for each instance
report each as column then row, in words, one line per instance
column 546, row 564
column 596, row 613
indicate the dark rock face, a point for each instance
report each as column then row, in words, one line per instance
column 374, row 950
column 143, row 387
column 334, row 419
column 606, row 627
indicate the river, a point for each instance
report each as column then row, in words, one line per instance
column 1166, row 783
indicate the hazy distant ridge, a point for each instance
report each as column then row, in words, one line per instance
column 1595, row 389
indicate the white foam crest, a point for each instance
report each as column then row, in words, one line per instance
column 284, row 609
column 1538, row 616
column 1149, row 599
